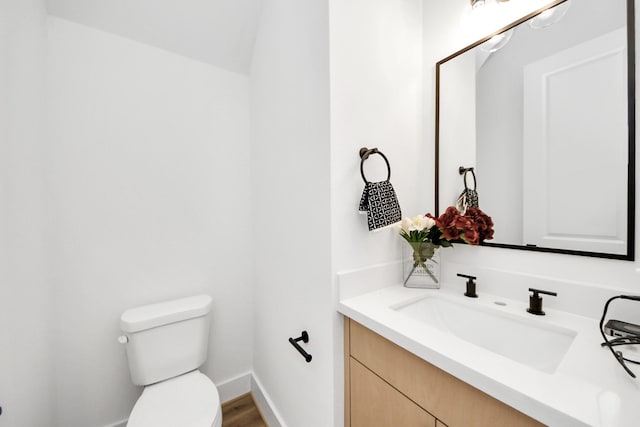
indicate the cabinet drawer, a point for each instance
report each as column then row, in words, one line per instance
column 376, row 403
column 454, row 402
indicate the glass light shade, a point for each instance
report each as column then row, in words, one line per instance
column 497, row 42
column 477, row 3
column 550, row 16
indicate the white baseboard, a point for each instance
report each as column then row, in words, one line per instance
column 265, row 404
column 234, row 387
column 245, row 383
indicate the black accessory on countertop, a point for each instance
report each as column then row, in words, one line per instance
column 626, row 338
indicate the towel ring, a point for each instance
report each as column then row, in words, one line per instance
column 464, row 171
column 364, row 155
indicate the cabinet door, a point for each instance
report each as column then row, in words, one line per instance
column 376, row 403
column 440, row 424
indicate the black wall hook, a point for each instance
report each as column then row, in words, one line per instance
column 304, row 337
column 365, row 152
column 462, row 170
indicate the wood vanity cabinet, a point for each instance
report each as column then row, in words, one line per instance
column 387, row 386
column 376, row 403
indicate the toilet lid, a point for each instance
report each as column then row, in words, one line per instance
column 189, row 400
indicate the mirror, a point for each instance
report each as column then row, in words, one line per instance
column 544, row 112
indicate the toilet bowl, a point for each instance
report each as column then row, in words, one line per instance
column 189, row 400
column 166, row 343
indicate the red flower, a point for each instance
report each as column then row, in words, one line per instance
column 471, row 236
column 472, row 228
column 483, row 223
column 448, row 223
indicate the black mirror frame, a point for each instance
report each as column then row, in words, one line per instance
column 631, row 111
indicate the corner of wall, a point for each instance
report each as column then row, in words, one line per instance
column 265, row 404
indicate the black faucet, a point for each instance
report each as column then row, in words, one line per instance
column 535, row 301
column 471, row 286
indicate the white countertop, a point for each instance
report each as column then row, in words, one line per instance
column 588, row 388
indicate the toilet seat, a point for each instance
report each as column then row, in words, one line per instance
column 189, row 400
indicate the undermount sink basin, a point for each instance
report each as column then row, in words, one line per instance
column 517, row 337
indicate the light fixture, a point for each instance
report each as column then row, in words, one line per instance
column 549, row 16
column 497, row 42
column 475, row 4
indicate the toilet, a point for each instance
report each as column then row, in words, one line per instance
column 166, row 344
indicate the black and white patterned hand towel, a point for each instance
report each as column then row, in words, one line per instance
column 380, row 203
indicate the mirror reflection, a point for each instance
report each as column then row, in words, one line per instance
column 541, row 112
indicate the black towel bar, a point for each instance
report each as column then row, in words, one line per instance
column 304, row 337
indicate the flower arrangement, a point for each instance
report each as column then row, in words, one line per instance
column 427, row 233
column 472, row 227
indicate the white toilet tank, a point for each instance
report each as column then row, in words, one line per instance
column 167, row 339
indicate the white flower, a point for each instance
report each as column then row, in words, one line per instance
column 405, row 224
column 430, row 222
column 417, row 223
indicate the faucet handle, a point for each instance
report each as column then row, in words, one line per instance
column 535, row 301
column 471, row 286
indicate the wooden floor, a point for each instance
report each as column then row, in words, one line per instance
column 242, row 412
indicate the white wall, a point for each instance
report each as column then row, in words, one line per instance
column 291, row 210
column 376, row 101
column 457, row 142
column 572, row 277
column 376, row 88
column 147, row 170
column 219, row 32
column 25, row 369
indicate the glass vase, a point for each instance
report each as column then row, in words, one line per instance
column 421, row 265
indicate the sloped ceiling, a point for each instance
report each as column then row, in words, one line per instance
column 219, row 32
